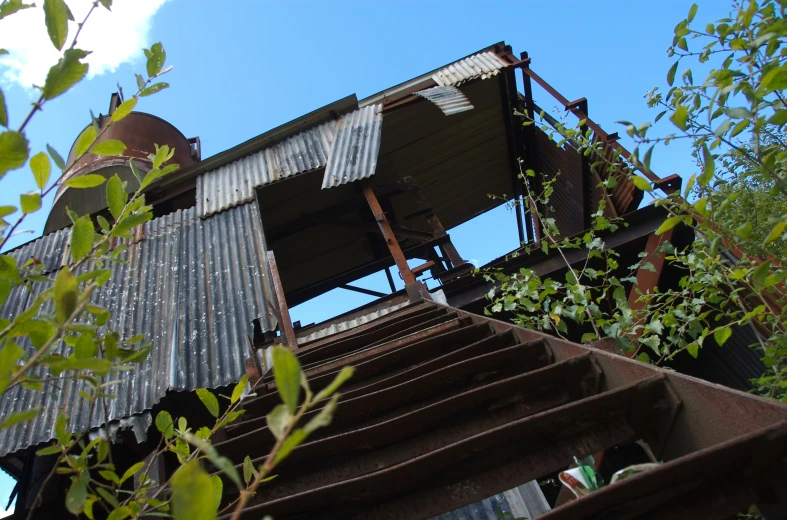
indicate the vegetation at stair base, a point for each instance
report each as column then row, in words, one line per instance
column 64, row 335
column 733, row 274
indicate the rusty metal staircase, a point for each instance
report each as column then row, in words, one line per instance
column 448, row 408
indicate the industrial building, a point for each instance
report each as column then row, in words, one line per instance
column 450, row 414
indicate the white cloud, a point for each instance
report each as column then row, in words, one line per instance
column 114, row 37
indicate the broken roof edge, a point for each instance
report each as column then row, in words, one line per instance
column 255, row 144
column 422, row 81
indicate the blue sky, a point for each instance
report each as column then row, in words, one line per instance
column 245, row 66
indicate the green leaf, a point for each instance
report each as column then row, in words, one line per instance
column 3, row 111
column 85, row 347
column 109, row 147
column 9, row 355
column 680, row 117
column 209, row 400
column 82, row 235
column 56, row 15
column 744, row 230
column 668, row 224
column 248, row 470
column 693, row 348
column 65, row 74
column 84, row 141
column 345, row 374
column 107, row 4
column 50, row 450
column 218, row 489
column 776, row 232
column 709, row 164
column 124, row 109
column 99, row 366
column 153, row 89
column 130, row 222
column 9, row 7
column 41, row 168
column 30, row 202
column 641, row 183
column 759, row 275
column 90, row 180
column 140, row 81
column 287, row 374
column 671, row 73
column 692, row 12
column 289, row 444
column 66, row 294
column 56, row 157
column 18, row 417
column 155, row 173
column 13, row 151
column 164, row 424
column 278, row 420
column 237, row 392
column 774, row 79
column 77, row 493
column 193, row 493
column 120, row 513
column 133, row 470
column 156, row 57
column 116, row 196
column 722, row 335
column 324, row 417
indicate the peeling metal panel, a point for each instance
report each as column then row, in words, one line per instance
column 449, row 99
column 234, row 183
column 483, row 65
column 192, row 287
column 335, row 328
column 356, row 147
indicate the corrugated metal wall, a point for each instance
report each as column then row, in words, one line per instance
column 192, row 287
column 565, row 166
column 234, row 183
column 357, row 145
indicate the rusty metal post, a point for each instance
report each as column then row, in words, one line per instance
column 285, row 323
column 388, row 234
column 514, row 139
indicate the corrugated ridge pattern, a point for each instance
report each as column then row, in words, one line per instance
column 483, row 65
column 49, row 250
column 234, row 183
column 449, row 99
column 334, row 328
column 203, row 282
column 356, row 147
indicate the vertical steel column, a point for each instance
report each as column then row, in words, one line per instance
column 514, row 140
column 587, row 184
column 285, row 323
column 388, row 234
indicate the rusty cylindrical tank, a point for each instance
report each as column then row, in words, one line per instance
column 139, row 132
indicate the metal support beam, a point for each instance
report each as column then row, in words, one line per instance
column 388, row 234
column 363, row 226
column 361, row 290
column 390, row 279
column 514, row 139
column 285, row 323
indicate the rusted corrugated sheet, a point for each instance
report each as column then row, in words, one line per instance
column 356, row 147
column 234, row 183
column 482, row 65
column 200, row 296
column 564, row 166
column 449, row 99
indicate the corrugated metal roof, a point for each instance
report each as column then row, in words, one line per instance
column 234, row 183
column 356, row 147
column 203, row 282
column 449, row 99
column 482, row 65
column 334, row 328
